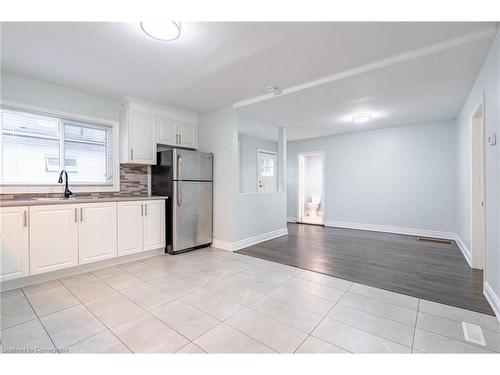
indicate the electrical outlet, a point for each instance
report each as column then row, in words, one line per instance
column 398, row 217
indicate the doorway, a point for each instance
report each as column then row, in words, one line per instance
column 477, row 122
column 311, row 187
column 267, row 162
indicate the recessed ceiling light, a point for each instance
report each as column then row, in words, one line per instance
column 359, row 119
column 162, row 30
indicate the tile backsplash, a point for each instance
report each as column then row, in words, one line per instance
column 133, row 182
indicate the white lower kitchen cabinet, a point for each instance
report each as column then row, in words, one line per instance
column 97, row 232
column 154, row 225
column 53, row 237
column 130, row 228
column 141, row 226
column 14, row 250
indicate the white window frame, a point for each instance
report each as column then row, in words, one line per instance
column 114, row 186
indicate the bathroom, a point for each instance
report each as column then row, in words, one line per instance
column 311, row 187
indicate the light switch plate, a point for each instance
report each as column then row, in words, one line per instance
column 492, row 139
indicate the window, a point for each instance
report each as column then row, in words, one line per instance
column 35, row 148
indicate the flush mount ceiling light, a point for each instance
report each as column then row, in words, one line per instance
column 162, row 30
column 273, row 90
column 359, row 119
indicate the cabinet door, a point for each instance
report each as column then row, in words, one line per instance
column 14, row 259
column 188, row 134
column 154, row 225
column 53, row 237
column 97, row 235
column 130, row 228
column 142, row 138
column 165, row 131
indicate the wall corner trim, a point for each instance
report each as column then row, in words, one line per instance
column 238, row 245
column 464, row 249
column 492, row 298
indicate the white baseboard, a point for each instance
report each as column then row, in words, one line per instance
column 71, row 271
column 238, row 245
column 465, row 250
column 391, row 229
column 492, row 298
column 291, row 219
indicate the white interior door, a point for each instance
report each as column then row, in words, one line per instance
column 478, row 196
column 267, row 171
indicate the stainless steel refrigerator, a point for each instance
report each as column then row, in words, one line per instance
column 186, row 178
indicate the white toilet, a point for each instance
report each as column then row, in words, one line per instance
column 313, row 205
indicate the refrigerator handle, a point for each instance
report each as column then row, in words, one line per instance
column 180, row 168
column 179, row 193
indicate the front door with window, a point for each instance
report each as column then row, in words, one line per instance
column 266, row 171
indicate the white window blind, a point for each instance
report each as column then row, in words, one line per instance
column 35, row 148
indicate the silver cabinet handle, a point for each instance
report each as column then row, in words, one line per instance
column 142, row 209
column 76, row 215
column 81, row 215
column 25, row 219
column 131, row 154
column 145, row 209
column 180, row 138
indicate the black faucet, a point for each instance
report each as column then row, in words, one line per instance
column 67, row 192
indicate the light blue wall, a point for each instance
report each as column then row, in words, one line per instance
column 46, row 95
column 248, row 147
column 487, row 84
column 374, row 177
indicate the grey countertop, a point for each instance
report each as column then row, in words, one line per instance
column 76, row 200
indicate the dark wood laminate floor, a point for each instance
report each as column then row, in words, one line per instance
column 399, row 263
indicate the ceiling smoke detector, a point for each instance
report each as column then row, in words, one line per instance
column 273, row 90
column 359, row 119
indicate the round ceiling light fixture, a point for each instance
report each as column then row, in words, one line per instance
column 362, row 118
column 165, row 31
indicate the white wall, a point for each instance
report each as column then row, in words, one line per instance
column 248, row 146
column 237, row 217
column 403, row 176
column 487, row 84
column 218, row 133
column 41, row 94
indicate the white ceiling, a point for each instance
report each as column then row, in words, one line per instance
column 214, row 65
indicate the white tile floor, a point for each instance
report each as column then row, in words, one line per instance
column 220, row 302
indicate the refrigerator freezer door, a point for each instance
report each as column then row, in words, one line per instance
column 192, row 214
column 192, row 165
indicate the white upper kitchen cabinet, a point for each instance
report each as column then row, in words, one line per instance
column 14, row 250
column 143, row 125
column 187, row 134
column 166, row 131
column 154, row 224
column 97, row 236
column 53, row 237
column 176, row 133
column 137, row 137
